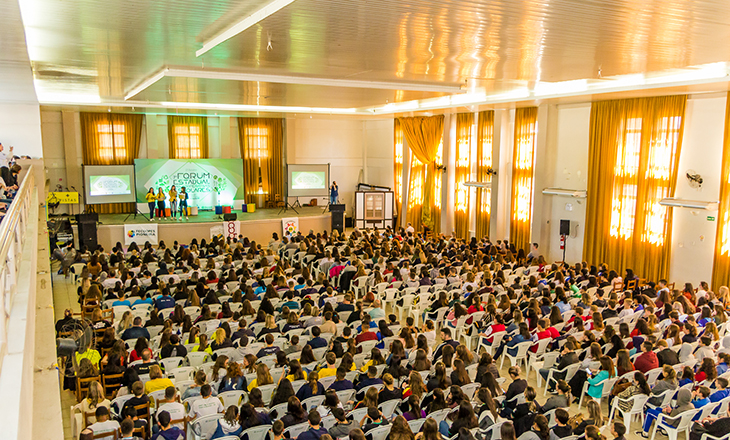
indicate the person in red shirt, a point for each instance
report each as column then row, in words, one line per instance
column 497, row 327
column 542, row 332
column 365, row 333
column 647, row 360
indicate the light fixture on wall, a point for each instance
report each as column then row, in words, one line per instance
column 578, row 193
column 691, row 204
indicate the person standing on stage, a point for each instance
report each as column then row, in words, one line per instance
column 173, row 202
column 334, row 192
column 161, row 202
column 183, row 196
column 151, row 199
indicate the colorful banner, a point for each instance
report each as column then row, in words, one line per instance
column 232, row 229
column 64, row 198
column 140, row 234
column 290, row 226
column 208, row 182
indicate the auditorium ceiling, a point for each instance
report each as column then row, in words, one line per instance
column 355, row 56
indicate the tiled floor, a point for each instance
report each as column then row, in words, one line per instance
column 64, row 293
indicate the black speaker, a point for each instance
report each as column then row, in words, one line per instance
column 87, row 234
column 564, row 227
column 86, row 218
column 230, row 217
column 338, row 217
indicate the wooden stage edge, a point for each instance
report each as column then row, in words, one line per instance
column 258, row 226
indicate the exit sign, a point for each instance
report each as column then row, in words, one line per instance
column 710, row 218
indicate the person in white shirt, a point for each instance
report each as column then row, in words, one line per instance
column 410, row 229
column 111, row 280
column 206, row 406
column 103, row 424
column 4, row 161
column 171, row 404
column 627, row 310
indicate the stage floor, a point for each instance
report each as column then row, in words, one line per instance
column 211, row 217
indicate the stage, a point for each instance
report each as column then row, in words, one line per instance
column 258, row 225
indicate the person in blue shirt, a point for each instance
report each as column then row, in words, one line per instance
column 562, row 303
column 317, row 341
column 522, row 336
column 311, row 388
column 122, row 301
column 334, row 192
column 595, row 382
column 371, row 379
column 722, row 367
column 165, row 301
column 342, row 384
column 293, row 305
column 722, row 392
column 136, row 331
column 700, row 397
column 315, row 431
column 145, row 300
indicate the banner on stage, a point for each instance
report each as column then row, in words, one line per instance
column 140, row 234
column 64, row 198
column 232, row 229
column 208, row 182
column 216, row 230
column 290, row 225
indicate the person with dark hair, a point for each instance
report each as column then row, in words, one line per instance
column 341, row 383
column 317, row 341
column 167, row 430
column 540, row 429
column 315, row 431
column 295, row 413
column 446, row 337
column 103, row 423
column 270, row 348
column 127, row 429
column 371, row 379
column 376, row 420
column 618, row 429
column 205, row 406
column 229, row 425
column 561, row 428
column 342, row 426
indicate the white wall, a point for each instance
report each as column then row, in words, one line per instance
column 339, row 142
column 20, row 127
column 378, row 152
column 693, row 236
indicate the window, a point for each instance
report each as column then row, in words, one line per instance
column 258, row 139
column 463, row 161
column 415, row 192
column 374, row 207
column 111, row 141
column 398, row 164
column 188, row 141
column 437, row 178
column 524, row 154
column 623, row 203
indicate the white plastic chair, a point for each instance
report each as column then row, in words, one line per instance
column 256, row 433
column 569, row 371
column 388, row 407
column 171, row 363
column 380, row 432
column 685, row 421
column 312, row 402
column 637, row 409
column 229, row 398
column 295, row 430
column 197, row 358
column 204, row 427
column 266, row 392
column 496, row 342
column 520, row 356
column 417, row 424
column 606, row 385
column 470, row 389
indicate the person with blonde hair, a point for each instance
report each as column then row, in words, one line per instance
column 157, row 380
column 95, row 398
column 263, row 377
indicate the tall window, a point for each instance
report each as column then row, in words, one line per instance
column 464, row 126
column 485, row 135
column 626, row 170
column 188, row 137
column 258, row 138
column 415, row 191
column 111, row 141
column 522, row 175
column 437, row 181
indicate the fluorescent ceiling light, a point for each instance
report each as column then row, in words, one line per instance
column 562, row 87
column 258, row 108
column 244, row 24
column 578, row 193
column 146, row 83
column 692, row 204
column 478, row 184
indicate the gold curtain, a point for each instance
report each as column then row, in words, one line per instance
column 437, row 191
column 414, row 214
column 721, row 266
column 522, row 176
column 397, row 166
column 262, row 141
column 423, row 135
column 485, row 136
column 464, row 123
column 111, row 139
column 634, row 153
column 187, row 137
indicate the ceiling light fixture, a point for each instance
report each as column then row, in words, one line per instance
column 578, row 193
column 259, row 108
column 242, row 25
column 691, row 204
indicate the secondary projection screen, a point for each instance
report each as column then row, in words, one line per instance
column 109, row 184
column 308, row 180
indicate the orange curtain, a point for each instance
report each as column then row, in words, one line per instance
column 262, row 144
column 721, row 267
column 187, row 137
column 423, row 135
column 633, row 157
column 522, row 176
column 485, row 134
column 397, row 166
column 464, row 124
column 111, row 139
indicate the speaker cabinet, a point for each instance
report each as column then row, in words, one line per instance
column 230, row 217
column 87, row 231
column 564, row 227
column 338, row 217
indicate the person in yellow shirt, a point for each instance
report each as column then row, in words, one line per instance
column 173, row 202
column 161, row 202
column 157, row 381
column 295, row 371
column 263, row 377
column 331, row 369
column 151, row 199
column 203, row 344
column 376, row 358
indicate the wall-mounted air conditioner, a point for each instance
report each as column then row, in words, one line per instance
column 691, row 204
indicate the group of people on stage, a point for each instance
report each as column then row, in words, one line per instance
column 178, row 200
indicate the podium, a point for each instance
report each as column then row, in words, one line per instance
column 338, row 217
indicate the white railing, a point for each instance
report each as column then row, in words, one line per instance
column 12, row 235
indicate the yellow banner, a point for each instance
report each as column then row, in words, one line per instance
column 64, row 198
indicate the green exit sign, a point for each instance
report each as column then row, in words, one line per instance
column 710, row 218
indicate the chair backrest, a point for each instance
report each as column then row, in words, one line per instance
column 440, row 415
column 542, row 345
column 312, row 402
column 685, row 419
column 257, row 432
column 205, row 426
column 388, row 407
column 266, row 392
column 171, row 363
column 327, row 381
column 346, row 395
column 295, row 430
column 197, row 358
column 416, row 424
column 493, row 432
column 470, row 389
column 522, row 348
column 229, row 398
column 357, row 414
column 380, row 432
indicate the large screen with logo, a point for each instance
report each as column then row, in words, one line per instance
column 109, row 184
column 308, row 180
column 208, row 182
